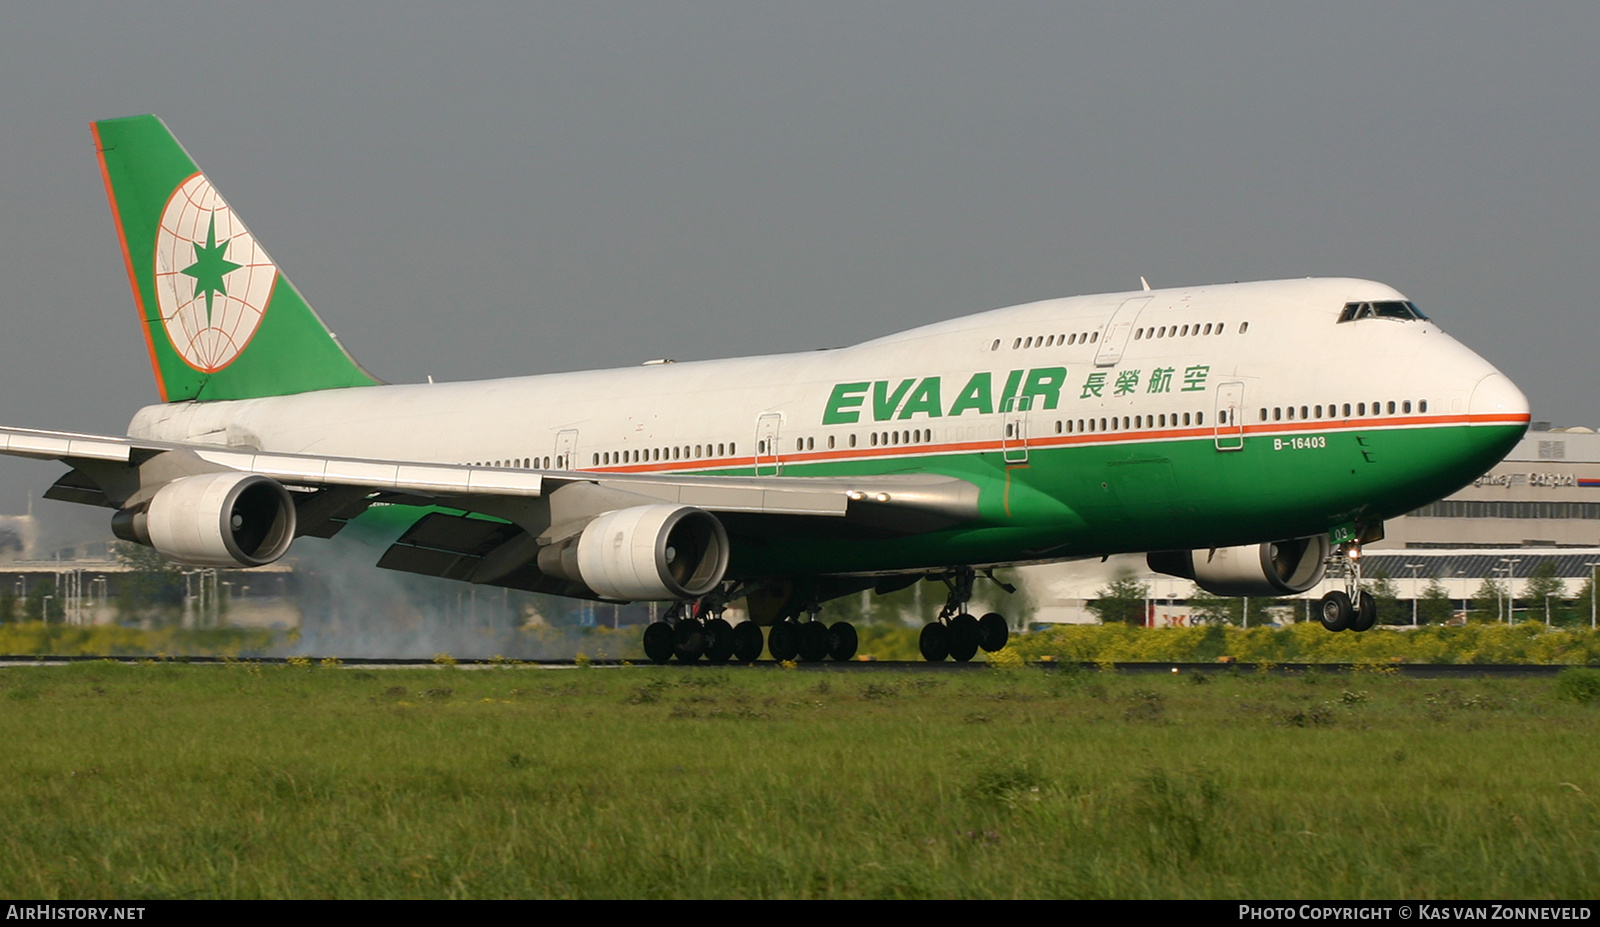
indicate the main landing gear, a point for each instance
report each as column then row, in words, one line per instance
column 957, row 634
column 1353, row 608
column 811, row 641
column 690, row 631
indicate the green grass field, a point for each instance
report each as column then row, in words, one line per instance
column 164, row 780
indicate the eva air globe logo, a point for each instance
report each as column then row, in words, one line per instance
column 213, row 281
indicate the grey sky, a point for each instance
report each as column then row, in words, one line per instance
column 470, row 191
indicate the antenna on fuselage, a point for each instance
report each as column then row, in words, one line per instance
column 1145, row 283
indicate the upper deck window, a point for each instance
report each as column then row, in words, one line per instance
column 1391, row 309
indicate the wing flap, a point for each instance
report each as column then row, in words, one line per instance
column 476, row 551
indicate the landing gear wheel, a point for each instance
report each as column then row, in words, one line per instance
column 814, row 641
column 689, row 640
column 658, row 642
column 1336, row 611
column 783, row 641
column 1366, row 613
column 747, row 642
column 719, row 641
column 935, row 642
column 842, row 641
column 993, row 632
column 964, row 637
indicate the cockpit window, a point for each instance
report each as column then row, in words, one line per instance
column 1390, row 309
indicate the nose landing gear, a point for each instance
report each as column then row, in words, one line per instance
column 1354, row 608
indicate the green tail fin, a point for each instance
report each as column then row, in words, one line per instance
column 220, row 321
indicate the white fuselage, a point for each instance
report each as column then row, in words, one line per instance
column 1143, row 361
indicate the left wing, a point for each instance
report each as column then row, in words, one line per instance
column 220, row 506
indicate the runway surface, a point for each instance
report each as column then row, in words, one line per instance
column 1413, row 670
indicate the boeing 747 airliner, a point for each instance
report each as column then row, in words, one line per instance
column 1244, row 436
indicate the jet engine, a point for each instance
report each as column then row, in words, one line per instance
column 216, row 519
column 644, row 553
column 1271, row 569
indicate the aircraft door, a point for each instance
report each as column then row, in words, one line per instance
column 1230, row 417
column 768, row 463
column 566, row 449
column 1118, row 329
column 1014, row 433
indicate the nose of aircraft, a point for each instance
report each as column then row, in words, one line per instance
column 1497, row 400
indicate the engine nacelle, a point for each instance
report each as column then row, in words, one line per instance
column 215, row 520
column 644, row 553
column 1271, row 569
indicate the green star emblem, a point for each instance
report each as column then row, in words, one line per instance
column 210, row 266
